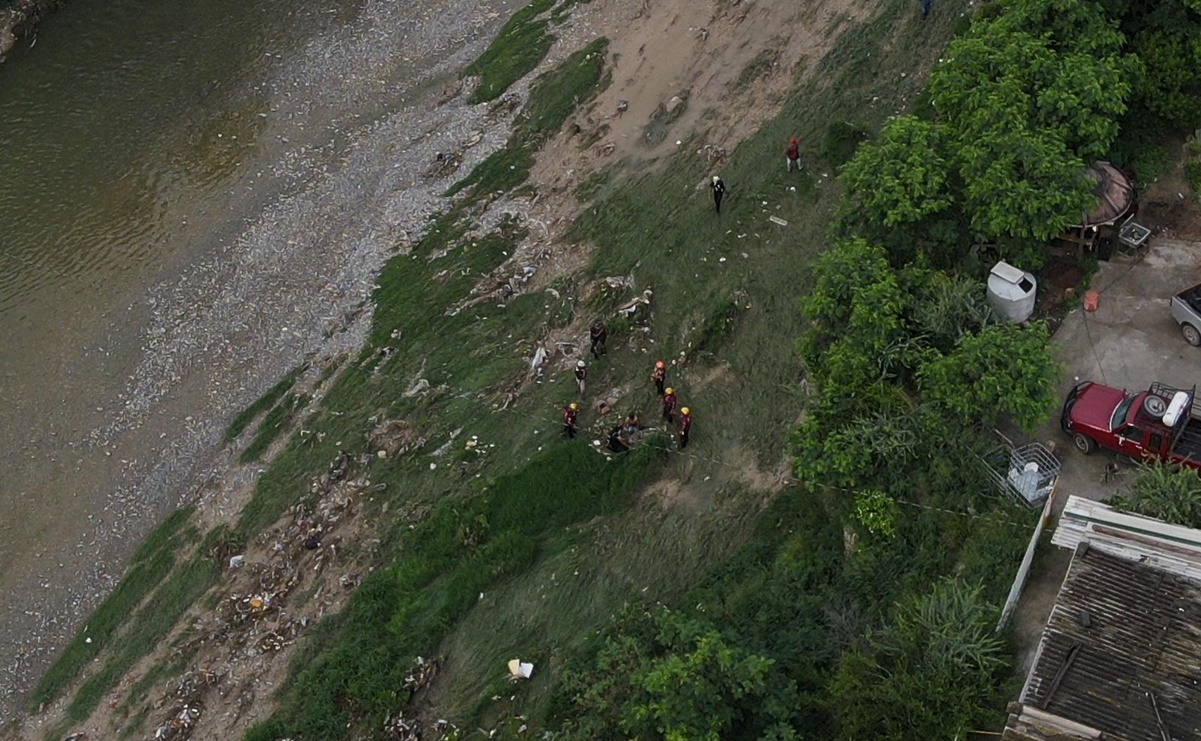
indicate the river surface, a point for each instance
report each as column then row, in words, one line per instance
column 194, row 194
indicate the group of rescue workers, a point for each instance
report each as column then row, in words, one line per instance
column 623, row 435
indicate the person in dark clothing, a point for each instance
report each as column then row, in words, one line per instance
column 685, row 426
column 598, row 334
column 719, row 192
column 569, row 414
column 659, row 376
column 926, row 5
column 581, row 377
column 616, row 444
column 669, row 405
column 792, row 155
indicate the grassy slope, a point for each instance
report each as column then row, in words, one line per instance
column 661, row 227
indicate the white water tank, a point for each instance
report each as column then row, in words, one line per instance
column 1011, row 292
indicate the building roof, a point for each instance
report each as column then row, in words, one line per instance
column 1120, row 657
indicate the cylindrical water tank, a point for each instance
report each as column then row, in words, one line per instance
column 1011, row 292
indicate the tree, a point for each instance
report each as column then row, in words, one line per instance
column 1165, row 491
column 1024, row 113
column 901, row 177
column 1005, row 369
column 934, row 672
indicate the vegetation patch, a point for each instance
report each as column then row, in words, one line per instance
column 264, row 402
column 439, row 571
column 521, row 44
column 143, row 630
column 277, row 421
column 553, row 97
column 150, row 565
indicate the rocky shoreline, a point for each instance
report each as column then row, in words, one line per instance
column 20, row 19
column 306, row 264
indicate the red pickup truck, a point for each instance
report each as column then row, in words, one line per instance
column 1161, row 423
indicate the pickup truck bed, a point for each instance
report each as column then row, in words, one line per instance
column 1188, row 445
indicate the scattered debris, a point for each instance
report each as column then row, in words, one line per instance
column 395, row 437
column 519, row 669
column 418, row 387
column 777, row 220
column 421, row 674
column 539, row 359
column 632, row 305
column 236, row 561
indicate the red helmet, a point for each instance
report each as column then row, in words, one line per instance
column 660, row 364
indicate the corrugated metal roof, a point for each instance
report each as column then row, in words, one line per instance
column 1121, row 652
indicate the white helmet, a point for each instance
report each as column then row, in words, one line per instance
column 579, row 363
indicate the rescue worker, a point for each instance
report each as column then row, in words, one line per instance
column 669, row 405
column 569, row 414
column 659, row 376
column 581, row 374
column 793, row 154
column 719, row 192
column 685, row 426
column 598, row 334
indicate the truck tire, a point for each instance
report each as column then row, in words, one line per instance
column 1084, row 443
column 1191, row 334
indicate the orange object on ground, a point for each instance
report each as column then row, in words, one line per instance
column 1091, row 299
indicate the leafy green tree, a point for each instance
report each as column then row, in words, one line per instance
column 1171, row 85
column 1165, row 491
column 1005, row 369
column 934, row 672
column 667, row 675
column 1025, row 114
column 902, row 176
column 693, row 693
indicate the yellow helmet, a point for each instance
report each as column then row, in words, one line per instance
column 574, row 406
column 669, row 390
column 685, row 411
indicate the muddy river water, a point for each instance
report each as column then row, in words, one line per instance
column 194, row 195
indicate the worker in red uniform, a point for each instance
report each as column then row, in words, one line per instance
column 669, row 405
column 659, row 376
column 793, row 154
column 570, row 412
column 685, row 426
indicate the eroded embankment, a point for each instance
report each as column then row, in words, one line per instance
column 20, row 18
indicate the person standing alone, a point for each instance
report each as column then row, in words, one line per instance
column 719, row 192
column 598, row 334
column 793, row 154
column 581, row 376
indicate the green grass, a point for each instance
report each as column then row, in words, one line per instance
column 145, row 628
column 275, row 423
column 521, row 44
column 552, row 99
column 149, row 566
column 265, row 402
column 460, row 552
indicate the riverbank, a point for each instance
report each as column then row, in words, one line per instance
column 722, row 295
column 275, row 266
column 19, row 18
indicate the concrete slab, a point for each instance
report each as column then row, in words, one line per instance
column 1130, row 342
